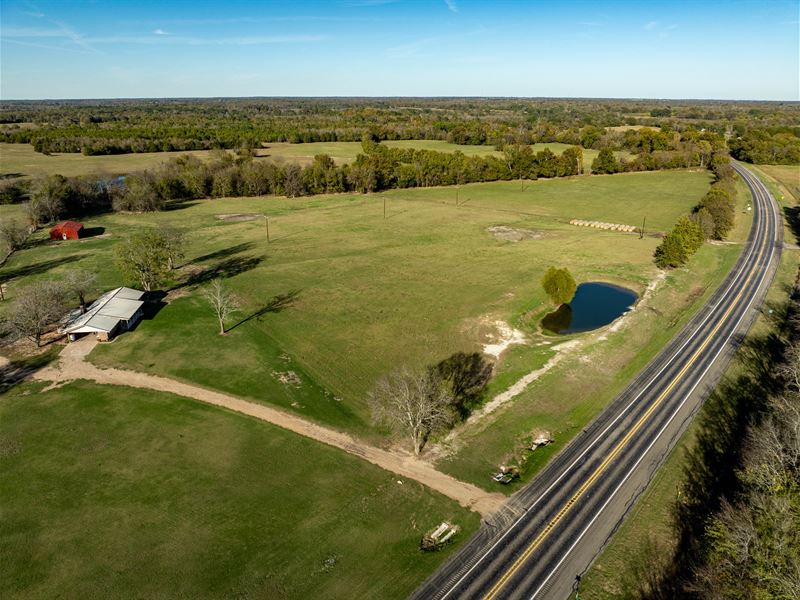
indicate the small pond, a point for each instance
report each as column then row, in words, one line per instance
column 595, row 304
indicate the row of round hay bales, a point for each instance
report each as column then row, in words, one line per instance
column 601, row 225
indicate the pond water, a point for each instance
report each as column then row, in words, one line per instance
column 595, row 304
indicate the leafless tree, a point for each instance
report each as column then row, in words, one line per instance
column 12, row 235
column 222, row 301
column 80, row 283
column 414, row 403
column 37, row 307
column 789, row 369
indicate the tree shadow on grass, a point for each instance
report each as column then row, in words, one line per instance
column 225, row 252
column 16, row 371
column 89, row 232
column 222, row 270
column 180, row 204
column 37, row 268
column 276, row 304
column 792, row 214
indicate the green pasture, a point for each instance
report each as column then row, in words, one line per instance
column 566, row 398
column 22, row 160
column 111, row 492
column 787, row 175
column 353, row 295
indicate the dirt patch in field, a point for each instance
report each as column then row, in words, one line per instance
column 510, row 234
column 501, row 338
column 239, row 217
column 287, row 377
column 175, row 294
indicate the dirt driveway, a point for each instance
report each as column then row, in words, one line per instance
column 72, row 365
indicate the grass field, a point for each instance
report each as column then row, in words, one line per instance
column 787, row 175
column 565, row 399
column 21, row 159
column 110, row 492
column 370, row 294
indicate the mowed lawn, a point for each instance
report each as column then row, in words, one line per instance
column 23, row 160
column 110, row 492
column 366, row 294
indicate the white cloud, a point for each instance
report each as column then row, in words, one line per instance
column 159, row 32
column 60, row 32
column 650, row 25
column 451, row 5
column 197, row 41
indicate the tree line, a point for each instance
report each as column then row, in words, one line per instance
column 378, row 168
column 711, row 219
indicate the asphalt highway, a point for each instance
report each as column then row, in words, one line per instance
column 551, row 530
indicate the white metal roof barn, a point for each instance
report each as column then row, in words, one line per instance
column 112, row 313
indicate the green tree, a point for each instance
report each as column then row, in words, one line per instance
column 671, row 252
column 174, row 243
column 140, row 194
column 559, row 285
column 705, row 221
column 720, row 206
column 690, row 235
column 143, row 258
column 605, row 162
column 49, row 196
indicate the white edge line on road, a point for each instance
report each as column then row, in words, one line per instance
column 599, row 436
column 663, row 428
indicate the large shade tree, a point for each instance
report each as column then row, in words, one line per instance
column 143, row 258
column 412, row 403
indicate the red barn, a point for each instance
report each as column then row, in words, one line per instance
column 68, row 230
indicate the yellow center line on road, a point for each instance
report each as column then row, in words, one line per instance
column 618, row 448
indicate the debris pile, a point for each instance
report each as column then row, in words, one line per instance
column 287, row 377
column 435, row 539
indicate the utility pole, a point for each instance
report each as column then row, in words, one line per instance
column 266, row 224
column 641, row 231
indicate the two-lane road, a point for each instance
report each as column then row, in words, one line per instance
column 555, row 526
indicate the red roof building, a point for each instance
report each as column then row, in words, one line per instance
column 68, row 230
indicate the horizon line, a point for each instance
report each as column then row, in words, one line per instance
column 400, row 96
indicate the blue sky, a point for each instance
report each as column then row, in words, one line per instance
column 647, row 49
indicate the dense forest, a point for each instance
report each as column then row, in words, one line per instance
column 766, row 129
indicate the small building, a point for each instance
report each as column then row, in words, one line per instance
column 111, row 314
column 68, row 230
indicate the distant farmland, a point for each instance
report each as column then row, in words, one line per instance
column 23, row 160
